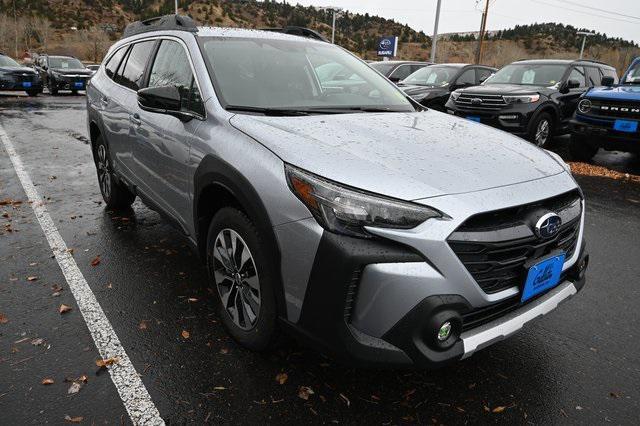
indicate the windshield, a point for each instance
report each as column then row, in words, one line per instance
column 6, row 61
column 383, row 68
column 70, row 63
column 529, row 74
column 297, row 75
column 435, row 75
column 633, row 75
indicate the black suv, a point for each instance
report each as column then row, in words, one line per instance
column 398, row 70
column 62, row 73
column 534, row 99
column 14, row 76
column 432, row 86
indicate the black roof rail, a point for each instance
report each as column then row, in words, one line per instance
column 166, row 22
column 299, row 31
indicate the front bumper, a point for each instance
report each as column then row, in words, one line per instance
column 512, row 118
column 599, row 132
column 18, row 85
column 70, row 83
column 379, row 302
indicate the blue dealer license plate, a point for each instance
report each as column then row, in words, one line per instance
column 79, row 84
column 542, row 276
column 473, row 118
column 625, row 126
column 26, row 84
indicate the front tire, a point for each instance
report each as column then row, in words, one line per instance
column 115, row 195
column 32, row 93
column 581, row 149
column 541, row 129
column 243, row 277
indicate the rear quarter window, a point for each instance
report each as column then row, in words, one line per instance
column 133, row 71
column 112, row 65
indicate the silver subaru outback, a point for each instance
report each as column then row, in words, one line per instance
column 326, row 203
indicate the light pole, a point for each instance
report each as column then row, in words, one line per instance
column 176, row 2
column 584, row 35
column 434, row 40
column 334, row 10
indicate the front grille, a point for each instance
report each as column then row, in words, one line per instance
column 481, row 102
column 618, row 109
column 495, row 246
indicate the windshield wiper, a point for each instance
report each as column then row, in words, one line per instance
column 275, row 112
column 356, row 109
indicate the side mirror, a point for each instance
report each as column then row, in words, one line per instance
column 163, row 100
column 608, row 81
column 394, row 79
column 571, row 84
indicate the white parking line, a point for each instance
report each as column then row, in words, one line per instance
column 133, row 393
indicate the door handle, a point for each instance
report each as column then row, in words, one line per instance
column 135, row 119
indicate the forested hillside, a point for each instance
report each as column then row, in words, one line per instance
column 86, row 28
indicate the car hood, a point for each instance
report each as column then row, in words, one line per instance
column 502, row 89
column 18, row 70
column 74, row 71
column 623, row 93
column 403, row 155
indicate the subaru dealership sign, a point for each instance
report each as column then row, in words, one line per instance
column 388, row 46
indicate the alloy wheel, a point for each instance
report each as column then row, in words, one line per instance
column 542, row 132
column 104, row 171
column 236, row 279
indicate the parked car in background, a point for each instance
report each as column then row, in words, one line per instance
column 376, row 230
column 14, row 76
column 62, row 73
column 398, row 70
column 534, row 99
column 432, row 85
column 608, row 117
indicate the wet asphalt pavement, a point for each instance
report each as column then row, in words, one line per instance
column 578, row 365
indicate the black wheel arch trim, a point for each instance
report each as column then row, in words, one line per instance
column 214, row 171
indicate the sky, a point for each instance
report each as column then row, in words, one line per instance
column 465, row 15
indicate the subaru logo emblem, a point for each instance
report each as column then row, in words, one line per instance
column 548, row 225
column 476, row 101
column 385, row 43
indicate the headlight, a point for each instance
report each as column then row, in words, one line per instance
column 584, row 106
column 455, row 95
column 347, row 211
column 521, row 99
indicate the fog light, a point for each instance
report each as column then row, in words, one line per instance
column 445, row 331
column 509, row 117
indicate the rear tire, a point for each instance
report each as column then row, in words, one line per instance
column 243, row 278
column 53, row 91
column 581, row 149
column 32, row 92
column 541, row 129
column 115, row 195
column 74, row 93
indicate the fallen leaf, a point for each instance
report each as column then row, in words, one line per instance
column 32, row 278
column 106, row 362
column 74, row 388
column 185, row 334
column 64, row 309
column 282, row 378
column 70, row 419
column 304, row 392
column 37, row 342
column 95, row 261
column 47, row 381
column 3, row 319
column 615, row 395
column 143, row 325
column 498, row 409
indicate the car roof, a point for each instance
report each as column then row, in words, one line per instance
column 397, row 62
column 248, row 33
column 563, row 62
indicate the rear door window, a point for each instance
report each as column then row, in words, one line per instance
column 482, row 74
column 401, row 72
column 594, row 76
column 112, row 66
column 171, row 67
column 467, row 78
column 133, row 71
column 608, row 72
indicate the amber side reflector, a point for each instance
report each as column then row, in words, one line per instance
column 305, row 192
